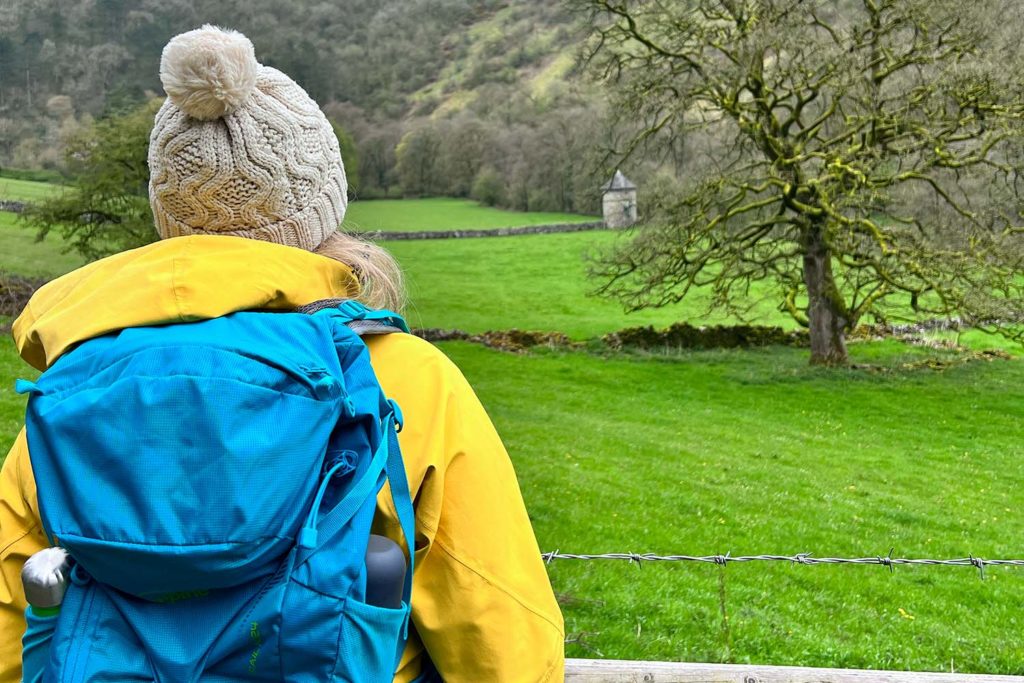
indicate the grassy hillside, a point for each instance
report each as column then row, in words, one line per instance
column 26, row 190
column 535, row 282
column 444, row 213
column 21, row 253
column 532, row 44
column 388, row 215
column 391, row 58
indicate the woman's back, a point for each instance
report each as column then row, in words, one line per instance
column 482, row 607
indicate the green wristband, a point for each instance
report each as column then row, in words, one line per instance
column 45, row 611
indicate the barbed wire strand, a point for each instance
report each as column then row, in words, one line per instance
column 805, row 559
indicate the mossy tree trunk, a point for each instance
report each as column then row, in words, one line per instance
column 827, row 317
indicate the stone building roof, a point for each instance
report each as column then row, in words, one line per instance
column 618, row 182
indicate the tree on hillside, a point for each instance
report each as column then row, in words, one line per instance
column 106, row 209
column 377, row 152
column 416, row 159
column 464, row 148
column 854, row 158
column 349, row 156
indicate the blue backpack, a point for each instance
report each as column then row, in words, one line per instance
column 215, row 483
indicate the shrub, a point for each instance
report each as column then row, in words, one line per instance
column 488, row 187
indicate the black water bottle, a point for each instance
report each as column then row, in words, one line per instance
column 385, row 572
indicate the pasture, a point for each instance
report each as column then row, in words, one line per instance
column 444, row 213
column 707, row 452
column 534, row 282
column 22, row 254
column 15, row 189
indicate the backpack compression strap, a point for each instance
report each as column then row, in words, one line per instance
column 366, row 321
column 360, row 319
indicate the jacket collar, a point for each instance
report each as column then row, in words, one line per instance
column 181, row 279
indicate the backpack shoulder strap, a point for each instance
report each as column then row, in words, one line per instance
column 359, row 318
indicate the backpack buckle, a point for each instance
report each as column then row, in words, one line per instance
column 353, row 310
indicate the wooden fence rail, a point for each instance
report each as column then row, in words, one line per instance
column 613, row 671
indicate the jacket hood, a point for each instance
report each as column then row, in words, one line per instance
column 177, row 280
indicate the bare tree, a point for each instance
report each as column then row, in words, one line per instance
column 867, row 156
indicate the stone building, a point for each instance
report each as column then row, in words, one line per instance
column 619, row 202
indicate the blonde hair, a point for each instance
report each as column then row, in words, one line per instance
column 381, row 284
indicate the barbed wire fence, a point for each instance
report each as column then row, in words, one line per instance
column 806, row 559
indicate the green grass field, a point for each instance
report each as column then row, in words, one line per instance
column 535, row 282
column 745, row 452
column 443, row 213
column 26, row 190
column 754, row 452
column 20, row 252
column 387, row 215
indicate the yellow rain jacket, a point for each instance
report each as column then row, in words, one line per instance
column 483, row 609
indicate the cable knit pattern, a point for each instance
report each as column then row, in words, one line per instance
column 270, row 169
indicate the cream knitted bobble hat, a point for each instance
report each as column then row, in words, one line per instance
column 239, row 148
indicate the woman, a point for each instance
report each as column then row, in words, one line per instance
column 239, row 150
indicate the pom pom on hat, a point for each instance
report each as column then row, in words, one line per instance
column 209, row 72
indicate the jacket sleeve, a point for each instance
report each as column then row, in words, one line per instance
column 483, row 605
column 20, row 537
